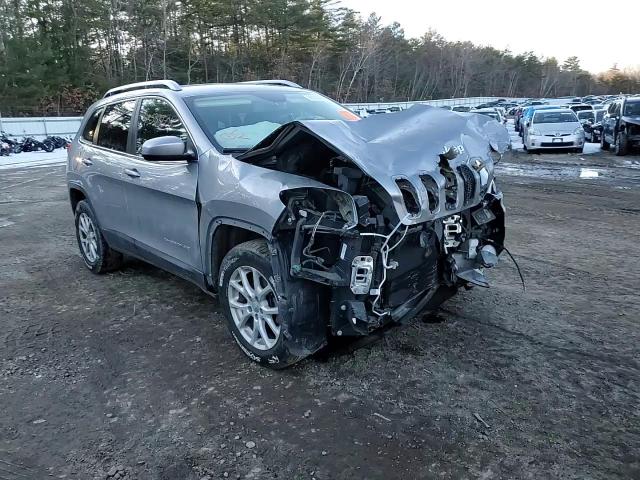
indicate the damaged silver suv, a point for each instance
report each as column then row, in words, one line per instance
column 305, row 220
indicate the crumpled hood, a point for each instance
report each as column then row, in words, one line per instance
column 401, row 143
column 408, row 146
column 635, row 119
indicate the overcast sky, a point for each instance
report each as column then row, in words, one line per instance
column 600, row 33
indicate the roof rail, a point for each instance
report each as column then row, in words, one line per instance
column 169, row 84
column 282, row 83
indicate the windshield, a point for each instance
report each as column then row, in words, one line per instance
column 632, row 109
column 493, row 115
column 585, row 114
column 599, row 115
column 578, row 108
column 554, row 117
column 239, row 120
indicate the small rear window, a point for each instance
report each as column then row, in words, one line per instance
column 90, row 128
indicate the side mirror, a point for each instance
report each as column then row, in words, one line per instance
column 167, row 149
column 528, row 124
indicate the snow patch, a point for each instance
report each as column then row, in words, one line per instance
column 34, row 159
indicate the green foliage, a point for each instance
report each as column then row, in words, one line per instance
column 58, row 56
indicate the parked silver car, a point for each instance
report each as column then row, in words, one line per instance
column 303, row 218
column 492, row 112
column 554, row 128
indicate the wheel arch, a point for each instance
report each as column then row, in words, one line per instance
column 76, row 195
column 223, row 235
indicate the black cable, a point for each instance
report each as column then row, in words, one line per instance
column 524, row 288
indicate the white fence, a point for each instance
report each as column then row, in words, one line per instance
column 467, row 102
column 40, row 127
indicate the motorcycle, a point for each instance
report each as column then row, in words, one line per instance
column 58, row 142
column 5, row 149
column 30, row 144
column 9, row 144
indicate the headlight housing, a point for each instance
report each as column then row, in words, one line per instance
column 578, row 131
column 534, row 132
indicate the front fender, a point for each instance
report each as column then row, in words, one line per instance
column 232, row 192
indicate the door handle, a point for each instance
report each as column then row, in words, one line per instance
column 87, row 162
column 132, row 172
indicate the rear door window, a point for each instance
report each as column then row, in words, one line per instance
column 89, row 131
column 616, row 108
column 157, row 118
column 115, row 124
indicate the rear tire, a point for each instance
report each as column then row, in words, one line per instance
column 247, row 293
column 96, row 253
column 49, row 147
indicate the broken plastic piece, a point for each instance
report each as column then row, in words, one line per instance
column 474, row 276
column 488, row 256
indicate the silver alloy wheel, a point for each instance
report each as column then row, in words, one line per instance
column 88, row 237
column 252, row 302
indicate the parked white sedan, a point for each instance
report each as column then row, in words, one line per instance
column 550, row 129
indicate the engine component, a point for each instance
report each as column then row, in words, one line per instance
column 472, row 251
column 361, row 274
column 452, row 227
column 483, row 215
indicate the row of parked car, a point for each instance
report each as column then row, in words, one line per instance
column 609, row 119
column 365, row 112
column 616, row 123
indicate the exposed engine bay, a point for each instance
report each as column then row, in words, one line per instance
column 410, row 212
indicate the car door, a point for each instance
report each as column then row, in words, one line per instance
column 605, row 122
column 610, row 122
column 161, row 195
column 615, row 121
column 103, row 163
column 525, row 123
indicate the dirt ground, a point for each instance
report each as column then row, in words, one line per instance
column 133, row 375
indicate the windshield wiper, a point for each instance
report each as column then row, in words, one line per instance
column 234, row 150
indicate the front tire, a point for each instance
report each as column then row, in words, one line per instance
column 96, row 253
column 622, row 145
column 250, row 303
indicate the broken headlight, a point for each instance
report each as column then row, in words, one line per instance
column 481, row 167
column 495, row 155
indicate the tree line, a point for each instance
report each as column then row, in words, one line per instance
column 57, row 56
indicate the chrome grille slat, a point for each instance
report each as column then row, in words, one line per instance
column 469, row 183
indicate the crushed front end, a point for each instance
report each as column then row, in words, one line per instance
column 378, row 267
column 387, row 238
